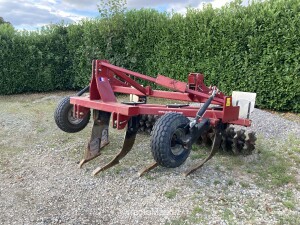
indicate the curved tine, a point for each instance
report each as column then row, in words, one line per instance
column 99, row 136
column 215, row 147
column 132, row 128
column 143, row 171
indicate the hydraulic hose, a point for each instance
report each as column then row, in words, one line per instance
column 202, row 110
column 83, row 91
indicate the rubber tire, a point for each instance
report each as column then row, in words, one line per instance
column 162, row 134
column 61, row 117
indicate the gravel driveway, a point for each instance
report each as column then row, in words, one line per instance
column 42, row 184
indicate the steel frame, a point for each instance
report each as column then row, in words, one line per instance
column 108, row 79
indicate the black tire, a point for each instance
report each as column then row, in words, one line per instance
column 164, row 150
column 64, row 119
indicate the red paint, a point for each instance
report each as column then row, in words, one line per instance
column 108, row 79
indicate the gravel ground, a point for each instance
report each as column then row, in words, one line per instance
column 273, row 126
column 42, row 184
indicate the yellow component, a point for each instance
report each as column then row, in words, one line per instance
column 228, row 101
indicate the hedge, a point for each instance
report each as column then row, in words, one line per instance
column 254, row 48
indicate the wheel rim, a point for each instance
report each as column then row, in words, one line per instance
column 177, row 148
column 72, row 119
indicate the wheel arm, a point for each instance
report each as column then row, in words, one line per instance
column 194, row 133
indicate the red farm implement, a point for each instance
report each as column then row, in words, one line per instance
column 175, row 127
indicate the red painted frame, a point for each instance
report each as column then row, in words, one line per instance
column 108, row 79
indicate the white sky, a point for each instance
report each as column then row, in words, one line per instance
column 31, row 14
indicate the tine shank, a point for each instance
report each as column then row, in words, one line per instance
column 99, row 136
column 127, row 146
column 148, row 168
column 216, row 144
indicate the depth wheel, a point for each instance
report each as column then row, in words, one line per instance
column 165, row 149
column 64, row 119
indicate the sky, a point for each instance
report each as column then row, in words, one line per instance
column 32, row 14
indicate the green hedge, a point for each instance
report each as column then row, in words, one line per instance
column 254, row 48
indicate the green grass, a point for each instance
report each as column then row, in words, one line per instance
column 217, row 167
column 197, row 210
column 228, row 216
column 287, row 194
column 117, row 169
column 244, row 184
column 171, row 194
column 277, row 174
column 195, row 148
column 289, row 204
column 198, row 155
column 150, row 176
column 194, row 218
column 289, row 219
column 183, row 220
column 249, row 206
column 230, row 182
column 274, row 169
column 217, row 182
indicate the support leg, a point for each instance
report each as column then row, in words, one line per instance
column 148, row 168
column 129, row 139
column 215, row 147
column 99, row 137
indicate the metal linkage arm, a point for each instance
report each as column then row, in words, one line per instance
column 105, row 69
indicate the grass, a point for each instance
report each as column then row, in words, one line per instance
column 244, row 184
column 287, row 194
column 288, row 199
column 7, row 154
column 289, row 204
column 289, row 219
column 274, row 168
column 216, row 182
column 197, row 210
column 183, row 220
column 171, row 194
column 198, row 156
column 150, row 176
column 198, row 152
column 230, row 182
column 195, row 148
column 271, row 170
column 228, row 216
column 194, row 218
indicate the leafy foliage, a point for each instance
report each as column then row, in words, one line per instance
column 254, row 48
column 2, row 21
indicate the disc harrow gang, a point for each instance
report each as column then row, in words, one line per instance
column 147, row 122
column 233, row 142
column 174, row 128
column 229, row 141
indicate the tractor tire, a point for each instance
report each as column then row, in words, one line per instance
column 64, row 119
column 165, row 150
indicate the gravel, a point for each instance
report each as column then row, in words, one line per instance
column 273, row 126
column 42, row 184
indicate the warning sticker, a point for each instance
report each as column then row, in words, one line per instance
column 228, row 101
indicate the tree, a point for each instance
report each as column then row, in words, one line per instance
column 2, row 21
column 110, row 8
